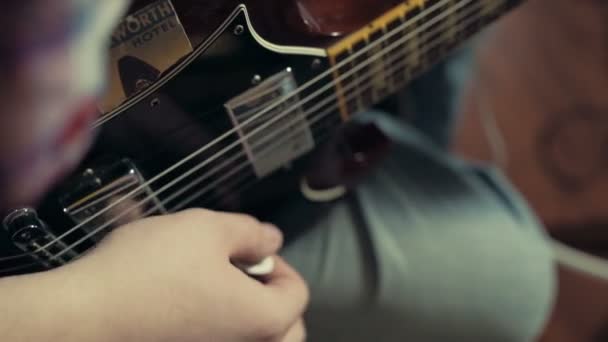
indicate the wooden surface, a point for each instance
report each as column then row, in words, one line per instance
column 543, row 75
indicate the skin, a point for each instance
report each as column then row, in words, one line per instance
column 194, row 293
column 186, row 296
column 167, row 278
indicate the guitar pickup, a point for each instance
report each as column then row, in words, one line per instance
column 103, row 198
column 271, row 123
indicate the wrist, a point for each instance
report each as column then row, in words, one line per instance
column 52, row 306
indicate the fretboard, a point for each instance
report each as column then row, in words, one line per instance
column 406, row 41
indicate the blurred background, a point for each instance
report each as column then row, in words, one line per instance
column 530, row 96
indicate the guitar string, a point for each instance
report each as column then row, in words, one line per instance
column 330, row 110
column 209, row 188
column 232, row 182
column 395, row 44
column 321, row 115
column 212, row 201
column 357, row 86
column 212, row 186
column 268, row 149
column 385, row 51
column 199, row 180
column 284, row 98
column 265, row 110
column 215, row 198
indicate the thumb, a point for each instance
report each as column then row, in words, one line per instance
column 288, row 293
column 249, row 241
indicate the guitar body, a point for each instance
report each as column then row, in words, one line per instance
column 312, row 23
column 241, row 121
column 170, row 121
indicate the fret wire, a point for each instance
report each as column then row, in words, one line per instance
column 513, row 3
column 331, row 118
column 345, row 55
column 397, row 78
column 418, row 59
column 361, row 59
column 466, row 26
column 334, row 83
column 380, row 78
column 427, row 39
column 381, row 65
column 452, row 22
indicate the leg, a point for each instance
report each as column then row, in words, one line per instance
column 426, row 248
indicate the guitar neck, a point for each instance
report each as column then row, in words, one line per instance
column 404, row 42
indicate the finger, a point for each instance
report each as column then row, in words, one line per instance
column 286, row 288
column 248, row 240
column 297, row 333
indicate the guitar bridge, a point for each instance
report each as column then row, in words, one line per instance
column 104, row 198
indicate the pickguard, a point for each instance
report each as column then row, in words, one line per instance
column 191, row 109
column 185, row 136
column 230, row 127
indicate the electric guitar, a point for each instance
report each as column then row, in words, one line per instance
column 242, row 119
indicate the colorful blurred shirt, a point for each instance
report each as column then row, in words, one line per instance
column 53, row 57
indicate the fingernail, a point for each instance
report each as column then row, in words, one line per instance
column 273, row 231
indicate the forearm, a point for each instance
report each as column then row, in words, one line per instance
column 47, row 307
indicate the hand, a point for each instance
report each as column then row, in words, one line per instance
column 172, row 278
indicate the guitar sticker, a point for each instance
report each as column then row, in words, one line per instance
column 144, row 45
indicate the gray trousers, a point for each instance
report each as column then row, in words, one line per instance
column 426, row 248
